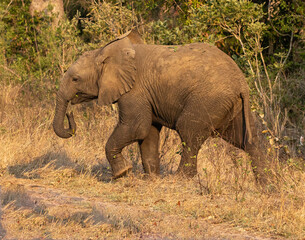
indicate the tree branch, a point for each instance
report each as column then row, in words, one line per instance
column 11, row 71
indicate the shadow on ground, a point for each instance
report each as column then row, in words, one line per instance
column 47, row 203
column 2, row 230
column 59, row 160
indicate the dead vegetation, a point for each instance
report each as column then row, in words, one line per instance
column 62, row 189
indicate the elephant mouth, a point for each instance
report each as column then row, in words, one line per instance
column 82, row 97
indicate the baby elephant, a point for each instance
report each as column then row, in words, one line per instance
column 195, row 89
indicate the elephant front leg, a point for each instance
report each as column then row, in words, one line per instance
column 149, row 151
column 119, row 139
column 122, row 136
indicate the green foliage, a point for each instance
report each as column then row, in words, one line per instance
column 161, row 32
column 265, row 38
column 106, row 21
column 18, row 41
column 286, row 19
column 32, row 47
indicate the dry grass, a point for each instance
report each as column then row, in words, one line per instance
column 62, row 189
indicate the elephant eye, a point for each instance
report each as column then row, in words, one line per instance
column 74, row 79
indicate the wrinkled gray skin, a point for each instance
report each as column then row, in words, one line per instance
column 195, row 89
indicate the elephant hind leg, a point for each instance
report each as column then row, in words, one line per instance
column 188, row 162
column 236, row 135
column 192, row 135
column 149, row 150
column 234, row 132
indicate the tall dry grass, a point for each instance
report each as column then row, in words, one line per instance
column 224, row 192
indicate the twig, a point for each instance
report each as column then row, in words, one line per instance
column 11, row 71
column 238, row 38
column 178, row 6
column 6, row 10
column 285, row 60
column 38, row 53
column 271, row 23
column 200, row 185
column 259, row 87
column 265, row 69
column 223, row 38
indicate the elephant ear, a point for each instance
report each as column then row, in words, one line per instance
column 118, row 70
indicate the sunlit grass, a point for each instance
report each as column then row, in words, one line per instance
column 61, row 189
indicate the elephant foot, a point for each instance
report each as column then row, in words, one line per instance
column 120, row 167
column 122, row 173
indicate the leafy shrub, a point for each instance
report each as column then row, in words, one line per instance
column 106, row 21
column 34, row 50
column 266, row 40
column 247, row 31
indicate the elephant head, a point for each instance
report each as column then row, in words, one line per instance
column 105, row 74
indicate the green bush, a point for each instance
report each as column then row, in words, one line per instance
column 245, row 30
column 34, row 50
column 267, row 40
column 105, row 22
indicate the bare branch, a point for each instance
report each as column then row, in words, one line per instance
column 6, row 10
column 11, row 71
column 285, row 60
column 271, row 23
column 265, row 69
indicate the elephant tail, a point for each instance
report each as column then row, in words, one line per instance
column 246, row 118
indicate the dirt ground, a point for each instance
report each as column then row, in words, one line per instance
column 35, row 209
column 52, row 188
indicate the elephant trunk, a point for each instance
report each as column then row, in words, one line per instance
column 58, row 122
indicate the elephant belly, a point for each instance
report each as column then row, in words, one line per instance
column 163, row 122
column 198, row 110
column 208, row 113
